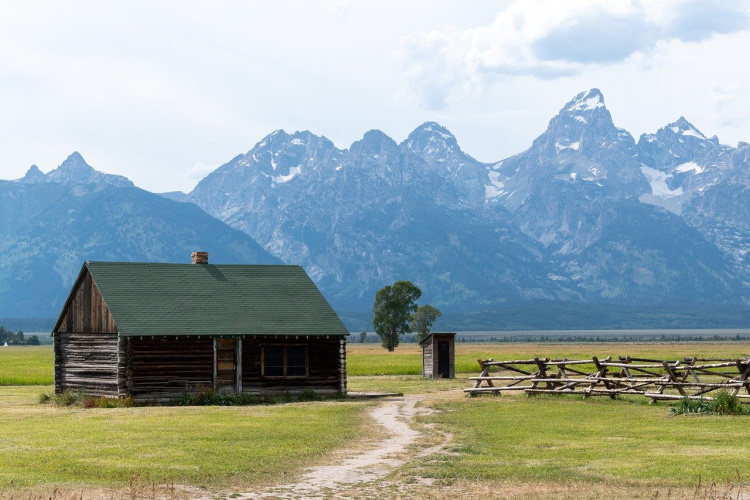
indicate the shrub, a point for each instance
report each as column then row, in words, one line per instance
column 728, row 404
column 209, row 396
column 688, row 406
column 72, row 398
column 723, row 404
column 67, row 398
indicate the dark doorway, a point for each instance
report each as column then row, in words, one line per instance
column 444, row 368
column 226, row 365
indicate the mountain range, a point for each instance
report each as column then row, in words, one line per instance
column 586, row 215
column 50, row 224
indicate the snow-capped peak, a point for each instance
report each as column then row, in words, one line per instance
column 431, row 139
column 586, row 101
column 684, row 127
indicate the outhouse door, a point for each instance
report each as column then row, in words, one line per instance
column 226, row 365
column 444, row 359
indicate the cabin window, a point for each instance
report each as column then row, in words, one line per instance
column 284, row 361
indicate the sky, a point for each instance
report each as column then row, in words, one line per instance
column 164, row 92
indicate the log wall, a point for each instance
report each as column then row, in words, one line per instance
column 86, row 362
column 326, row 366
column 161, row 368
column 427, row 357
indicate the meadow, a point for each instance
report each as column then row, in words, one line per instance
column 26, row 365
column 512, row 442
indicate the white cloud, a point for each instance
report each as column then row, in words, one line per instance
column 549, row 39
column 147, row 89
column 730, row 104
column 197, row 172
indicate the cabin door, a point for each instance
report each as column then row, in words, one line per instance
column 226, row 371
column 444, row 367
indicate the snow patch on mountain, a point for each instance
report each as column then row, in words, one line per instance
column 694, row 133
column 587, row 101
column 293, row 172
column 495, row 188
column 574, row 146
column 690, row 166
column 689, row 132
column 658, row 181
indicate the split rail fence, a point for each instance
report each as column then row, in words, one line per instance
column 693, row 378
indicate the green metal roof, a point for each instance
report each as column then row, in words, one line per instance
column 206, row 299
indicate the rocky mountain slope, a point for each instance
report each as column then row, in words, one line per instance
column 585, row 214
column 360, row 218
column 50, row 224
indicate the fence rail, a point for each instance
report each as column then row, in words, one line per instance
column 656, row 379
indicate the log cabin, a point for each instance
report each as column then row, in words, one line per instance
column 154, row 331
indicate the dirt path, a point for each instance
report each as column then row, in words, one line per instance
column 361, row 471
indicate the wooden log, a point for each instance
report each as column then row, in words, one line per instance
column 673, row 379
column 491, row 362
column 716, row 385
column 570, row 362
column 655, row 395
column 630, row 366
column 594, row 392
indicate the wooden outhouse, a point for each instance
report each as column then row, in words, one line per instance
column 438, row 355
column 155, row 331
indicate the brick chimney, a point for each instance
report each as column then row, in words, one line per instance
column 199, row 257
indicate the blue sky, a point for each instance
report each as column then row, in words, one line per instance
column 164, row 92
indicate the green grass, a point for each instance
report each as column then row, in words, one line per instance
column 372, row 359
column 564, row 439
column 26, row 365
column 213, row 446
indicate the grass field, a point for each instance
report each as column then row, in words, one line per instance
column 498, row 442
column 26, row 365
column 563, row 439
column 216, row 446
column 372, row 359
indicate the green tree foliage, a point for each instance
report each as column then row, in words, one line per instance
column 392, row 308
column 13, row 338
column 422, row 319
column 362, row 337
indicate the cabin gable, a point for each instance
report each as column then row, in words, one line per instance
column 85, row 310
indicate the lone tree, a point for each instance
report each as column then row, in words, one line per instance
column 392, row 309
column 422, row 320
